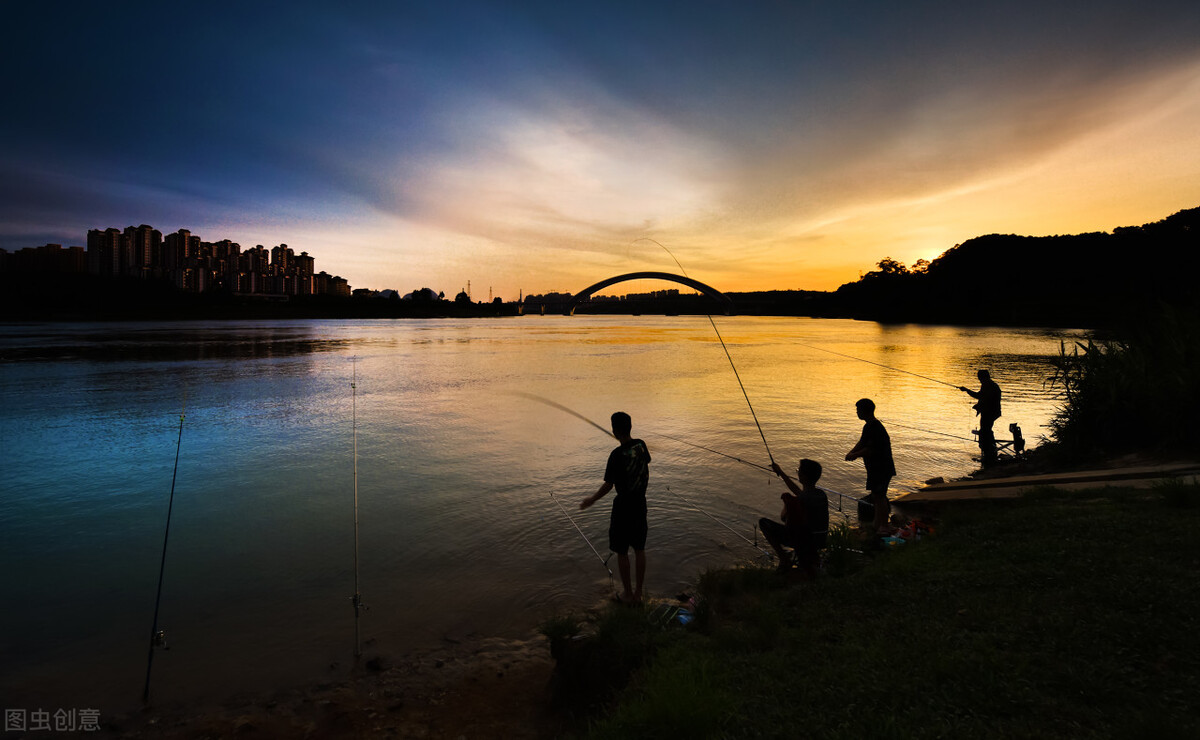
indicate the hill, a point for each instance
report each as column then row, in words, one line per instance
column 1088, row 280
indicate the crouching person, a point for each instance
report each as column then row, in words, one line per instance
column 805, row 516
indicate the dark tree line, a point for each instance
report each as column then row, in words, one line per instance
column 1088, row 280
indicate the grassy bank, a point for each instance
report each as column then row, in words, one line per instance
column 1066, row 615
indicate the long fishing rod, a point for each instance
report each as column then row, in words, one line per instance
column 729, row 356
column 878, row 364
column 560, row 407
column 603, row 560
column 157, row 638
column 356, row 600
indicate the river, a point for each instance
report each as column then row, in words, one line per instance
column 459, row 448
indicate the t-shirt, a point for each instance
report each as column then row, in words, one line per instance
column 878, row 457
column 808, row 512
column 989, row 399
column 628, row 470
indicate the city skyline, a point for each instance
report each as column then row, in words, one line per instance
column 536, row 147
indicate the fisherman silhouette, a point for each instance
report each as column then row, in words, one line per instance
column 988, row 409
column 628, row 471
column 875, row 448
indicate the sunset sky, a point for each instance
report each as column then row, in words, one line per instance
column 528, row 146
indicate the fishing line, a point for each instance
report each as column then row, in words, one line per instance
column 722, row 341
column 753, row 465
column 723, row 524
column 869, row 362
column 158, row 638
column 356, row 599
column 577, row 415
column 929, row 431
column 603, row 560
column 717, row 452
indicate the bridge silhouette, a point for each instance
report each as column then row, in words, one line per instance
column 708, row 290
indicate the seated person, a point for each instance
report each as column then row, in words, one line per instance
column 805, row 518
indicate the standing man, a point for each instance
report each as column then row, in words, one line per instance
column 628, row 470
column 988, row 408
column 875, row 448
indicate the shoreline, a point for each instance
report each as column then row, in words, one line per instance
column 488, row 686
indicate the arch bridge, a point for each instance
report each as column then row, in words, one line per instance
column 724, row 300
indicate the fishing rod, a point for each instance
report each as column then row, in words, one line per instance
column 603, row 560
column 878, row 364
column 158, row 638
column 560, row 407
column 729, row 356
column 356, row 599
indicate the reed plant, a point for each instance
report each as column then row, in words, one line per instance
column 1137, row 391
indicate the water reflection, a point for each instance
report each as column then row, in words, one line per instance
column 168, row 342
column 456, row 465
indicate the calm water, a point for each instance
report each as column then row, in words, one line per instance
column 456, row 467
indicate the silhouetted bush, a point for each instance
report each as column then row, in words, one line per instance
column 1140, row 391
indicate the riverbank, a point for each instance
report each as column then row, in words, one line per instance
column 1071, row 614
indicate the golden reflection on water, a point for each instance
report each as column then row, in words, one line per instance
column 456, row 464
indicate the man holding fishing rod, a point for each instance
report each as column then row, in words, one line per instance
column 628, row 470
column 988, row 409
column 875, row 448
column 805, row 518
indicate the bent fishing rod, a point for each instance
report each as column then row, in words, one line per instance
column 157, row 638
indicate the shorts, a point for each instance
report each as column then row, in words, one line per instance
column 627, row 528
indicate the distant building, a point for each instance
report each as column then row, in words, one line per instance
column 51, row 258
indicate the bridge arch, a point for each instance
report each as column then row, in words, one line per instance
column 708, row 290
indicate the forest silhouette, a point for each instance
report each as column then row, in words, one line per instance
column 1084, row 280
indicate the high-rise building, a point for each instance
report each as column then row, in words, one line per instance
column 104, row 251
column 143, row 250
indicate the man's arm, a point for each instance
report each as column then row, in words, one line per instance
column 860, row 449
column 604, row 489
column 791, row 484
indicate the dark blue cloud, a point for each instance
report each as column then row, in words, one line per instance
column 155, row 104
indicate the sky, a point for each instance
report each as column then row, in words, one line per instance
column 543, row 146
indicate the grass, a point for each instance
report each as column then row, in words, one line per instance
column 1065, row 616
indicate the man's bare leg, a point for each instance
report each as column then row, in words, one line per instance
column 627, row 595
column 640, row 556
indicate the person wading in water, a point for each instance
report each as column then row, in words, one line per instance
column 628, row 470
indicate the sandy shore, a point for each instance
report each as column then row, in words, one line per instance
column 475, row 688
